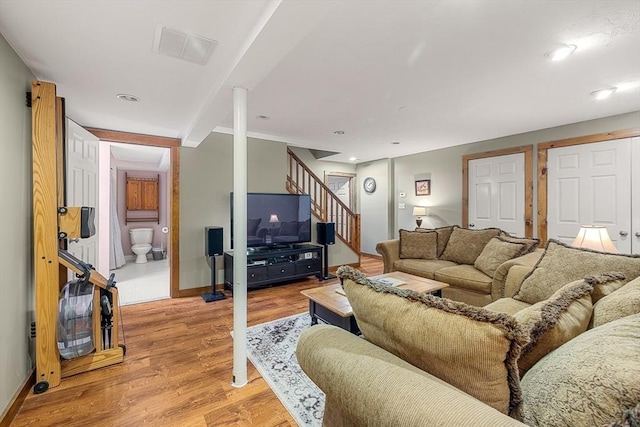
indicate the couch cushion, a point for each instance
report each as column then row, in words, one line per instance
column 496, row 252
column 418, row 245
column 443, row 236
column 421, row 267
column 466, row 277
column 588, row 381
column 465, row 245
column 554, row 321
column 561, row 264
column 469, row 347
column 531, row 243
column 252, row 226
column 623, row 302
column 289, row 228
column 507, row 305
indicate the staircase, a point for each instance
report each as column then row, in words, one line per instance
column 324, row 204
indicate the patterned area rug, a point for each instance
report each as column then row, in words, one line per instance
column 271, row 348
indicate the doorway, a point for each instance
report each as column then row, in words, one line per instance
column 173, row 195
column 342, row 186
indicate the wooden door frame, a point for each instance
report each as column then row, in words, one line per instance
column 528, row 182
column 173, row 144
column 543, row 149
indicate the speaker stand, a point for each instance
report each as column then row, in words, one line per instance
column 325, row 260
column 213, row 295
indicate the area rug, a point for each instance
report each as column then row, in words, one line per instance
column 271, row 347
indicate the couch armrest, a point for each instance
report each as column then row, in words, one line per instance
column 390, row 251
column 500, row 277
column 367, row 386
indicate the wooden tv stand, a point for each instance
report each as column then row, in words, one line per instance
column 268, row 266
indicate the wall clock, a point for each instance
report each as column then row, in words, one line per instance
column 369, row 185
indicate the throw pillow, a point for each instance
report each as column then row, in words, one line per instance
column 495, row 253
column 443, row 236
column 252, row 226
column 561, row 264
column 465, row 245
column 471, row 348
column 604, row 284
column 554, row 321
column 418, row 245
column 623, row 302
column 531, row 243
column 589, row 381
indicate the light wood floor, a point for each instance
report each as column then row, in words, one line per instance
column 178, row 368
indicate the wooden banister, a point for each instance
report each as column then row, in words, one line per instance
column 324, row 204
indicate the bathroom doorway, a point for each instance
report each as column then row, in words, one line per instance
column 141, row 276
column 140, row 215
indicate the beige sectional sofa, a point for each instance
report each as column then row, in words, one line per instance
column 475, row 263
column 562, row 349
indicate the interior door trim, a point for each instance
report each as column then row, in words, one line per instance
column 528, row 182
column 543, row 149
column 174, row 189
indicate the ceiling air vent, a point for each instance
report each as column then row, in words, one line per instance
column 182, row 45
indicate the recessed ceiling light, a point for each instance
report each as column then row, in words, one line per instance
column 353, row 159
column 339, row 132
column 561, row 53
column 603, row 93
column 262, row 117
column 127, row 97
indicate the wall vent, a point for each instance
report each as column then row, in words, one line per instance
column 182, row 45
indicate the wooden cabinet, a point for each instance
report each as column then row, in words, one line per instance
column 142, row 195
column 267, row 266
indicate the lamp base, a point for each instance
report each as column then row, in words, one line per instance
column 419, row 222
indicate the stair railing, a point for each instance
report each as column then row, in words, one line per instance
column 325, row 205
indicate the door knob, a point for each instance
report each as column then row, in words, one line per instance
column 637, row 233
column 472, row 225
column 624, row 233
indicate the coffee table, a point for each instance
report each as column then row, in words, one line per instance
column 331, row 307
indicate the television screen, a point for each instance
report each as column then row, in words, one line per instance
column 276, row 219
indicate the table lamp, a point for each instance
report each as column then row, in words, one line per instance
column 594, row 237
column 419, row 211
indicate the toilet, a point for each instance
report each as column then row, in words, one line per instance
column 141, row 239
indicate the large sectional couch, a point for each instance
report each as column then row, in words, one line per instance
column 474, row 263
column 561, row 348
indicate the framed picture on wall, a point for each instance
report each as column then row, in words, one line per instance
column 423, row 187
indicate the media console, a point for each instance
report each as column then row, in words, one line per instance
column 267, row 266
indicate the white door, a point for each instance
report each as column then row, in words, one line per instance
column 635, row 196
column 341, row 187
column 82, row 185
column 590, row 184
column 496, row 193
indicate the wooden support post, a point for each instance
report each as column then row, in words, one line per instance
column 45, row 225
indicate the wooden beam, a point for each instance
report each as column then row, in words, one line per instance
column 45, row 226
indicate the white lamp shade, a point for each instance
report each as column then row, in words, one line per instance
column 273, row 218
column 594, row 237
column 419, row 211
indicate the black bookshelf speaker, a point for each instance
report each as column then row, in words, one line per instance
column 326, row 232
column 213, row 241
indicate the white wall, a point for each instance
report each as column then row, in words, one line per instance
column 375, row 209
column 16, row 260
column 206, row 180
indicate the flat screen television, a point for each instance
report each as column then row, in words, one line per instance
column 276, row 220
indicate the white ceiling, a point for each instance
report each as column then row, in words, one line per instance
column 426, row 74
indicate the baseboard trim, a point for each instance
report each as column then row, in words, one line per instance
column 10, row 413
